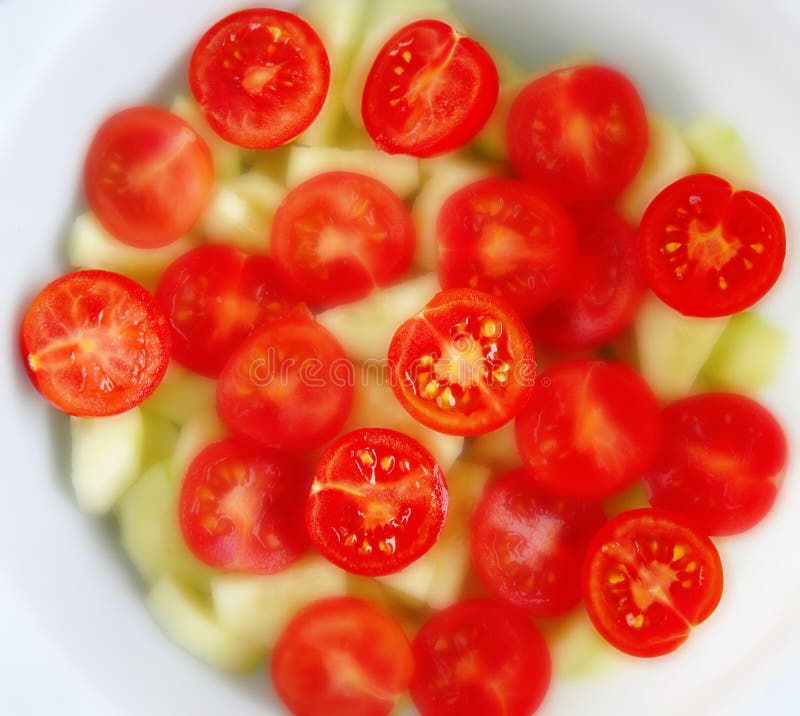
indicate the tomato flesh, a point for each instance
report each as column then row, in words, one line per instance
column 722, row 462
column 506, row 238
column 430, row 91
column 649, row 577
column 464, row 365
column 479, row 658
column 147, row 176
column 340, row 235
column 95, row 343
column 261, row 77
column 708, row 250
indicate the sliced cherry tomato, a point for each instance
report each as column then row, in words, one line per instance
column 261, row 77
column 479, row 658
column 649, row 577
column 147, row 176
column 606, row 290
column 288, row 386
column 464, row 365
column 342, row 657
column 507, row 238
column 722, row 462
column 591, row 429
column 214, row 297
column 581, row 131
column 430, row 91
column 95, row 343
column 708, row 250
column 241, row 508
column 378, row 502
column 340, row 235
column 528, row 546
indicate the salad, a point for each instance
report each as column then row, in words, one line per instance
column 410, row 372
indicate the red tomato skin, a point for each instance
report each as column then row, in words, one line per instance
column 46, row 314
column 607, row 289
column 520, row 532
column 462, row 117
column 705, row 211
column 642, row 526
column 261, row 531
column 121, row 202
column 722, row 462
column 313, row 681
column 568, row 102
column 479, row 657
column 417, row 517
column 245, row 117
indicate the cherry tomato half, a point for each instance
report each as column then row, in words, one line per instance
column 507, row 238
column 722, row 462
column 479, row 658
column 340, row 235
column 464, row 365
column 261, row 77
column 430, row 91
column 591, row 429
column 95, row 343
column 147, row 176
column 581, row 131
column 708, row 250
column 649, row 577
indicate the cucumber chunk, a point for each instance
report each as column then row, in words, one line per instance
column 106, row 458
column 497, row 449
column 160, row 438
column 196, row 435
column 259, row 607
column 718, row 148
column 578, row 651
column 748, row 356
column 181, row 395
column 187, row 618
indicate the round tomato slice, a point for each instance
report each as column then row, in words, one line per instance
column 378, row 502
column 289, row 386
column 479, row 658
column 708, row 250
column 581, row 131
column 464, row 365
column 649, row 577
column 214, row 297
column 241, row 508
column 340, row 235
column 591, row 429
column 721, row 464
column 606, row 290
column 506, row 238
column 342, row 657
column 95, row 343
column 528, row 546
column 147, row 176
column 261, row 77
column 430, row 91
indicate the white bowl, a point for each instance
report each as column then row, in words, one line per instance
column 688, row 57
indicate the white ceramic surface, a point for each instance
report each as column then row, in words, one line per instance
column 688, row 57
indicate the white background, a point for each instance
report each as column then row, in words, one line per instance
column 36, row 679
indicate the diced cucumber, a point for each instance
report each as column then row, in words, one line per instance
column 406, row 11
column 667, row 160
column 399, row 172
column 181, row 395
column 673, row 348
column 150, row 532
column 187, row 618
column 748, row 356
column 259, row 607
column 240, row 211
column 90, row 246
column 578, row 651
column 106, row 458
column 196, row 434
column 497, row 449
column 366, row 328
column 634, row 498
column 227, row 157
column 718, row 148
column 160, row 438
